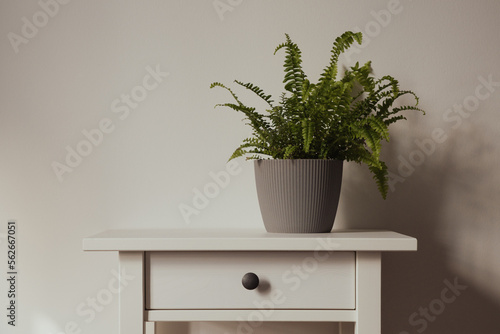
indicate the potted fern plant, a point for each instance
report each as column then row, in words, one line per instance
column 300, row 143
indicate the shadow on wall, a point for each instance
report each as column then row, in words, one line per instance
column 449, row 203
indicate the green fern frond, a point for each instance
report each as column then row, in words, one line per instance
column 238, row 153
column 289, row 150
column 372, row 139
column 362, row 75
column 257, row 90
column 404, row 92
column 257, row 121
column 384, row 83
column 307, row 133
column 244, row 109
column 403, row 108
column 294, row 75
column 342, row 119
column 218, row 84
column 378, row 125
column 380, row 175
column 394, row 119
column 254, row 157
column 341, row 44
column 283, row 45
column 307, row 89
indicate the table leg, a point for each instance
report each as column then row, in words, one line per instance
column 368, row 291
column 131, row 292
column 149, row 327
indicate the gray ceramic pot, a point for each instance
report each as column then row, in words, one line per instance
column 298, row 196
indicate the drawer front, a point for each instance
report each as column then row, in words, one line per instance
column 287, row 280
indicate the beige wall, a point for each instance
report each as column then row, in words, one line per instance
column 70, row 75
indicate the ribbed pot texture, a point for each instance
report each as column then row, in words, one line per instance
column 298, row 196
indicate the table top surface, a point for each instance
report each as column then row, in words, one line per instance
column 246, row 240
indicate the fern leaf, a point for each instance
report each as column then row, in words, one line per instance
column 378, row 125
column 394, row 119
column 290, row 149
column 402, row 108
column 341, row 44
column 371, row 139
column 307, row 133
column 218, row 84
column 294, row 75
column 257, row 91
column 380, row 175
column 362, row 75
column 237, row 153
column 344, row 119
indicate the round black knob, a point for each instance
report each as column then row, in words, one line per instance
column 250, row 281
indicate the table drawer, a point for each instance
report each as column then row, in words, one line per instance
column 287, row 280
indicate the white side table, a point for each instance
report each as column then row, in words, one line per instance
column 249, row 276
